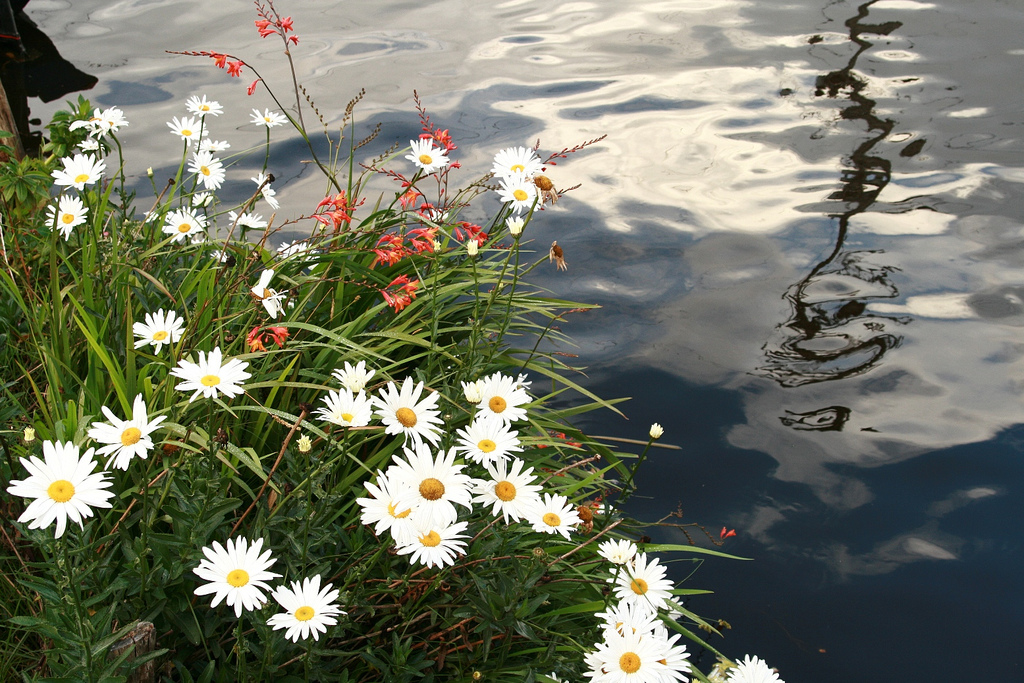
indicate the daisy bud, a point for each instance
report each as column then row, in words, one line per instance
column 656, row 431
column 515, row 226
column 436, row 244
column 30, row 435
column 305, row 444
column 473, row 391
column 472, row 248
column 149, row 172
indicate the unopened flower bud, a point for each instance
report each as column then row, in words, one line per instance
column 473, row 391
column 472, row 248
column 436, row 244
column 515, row 225
column 30, row 434
column 656, row 431
column 149, row 172
column 305, row 444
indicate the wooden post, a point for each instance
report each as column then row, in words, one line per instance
column 143, row 639
column 7, row 123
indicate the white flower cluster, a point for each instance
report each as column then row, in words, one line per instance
column 417, row 499
column 516, row 168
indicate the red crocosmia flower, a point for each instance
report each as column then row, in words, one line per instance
column 390, row 250
column 474, row 232
column 294, row 39
column 402, row 296
column 409, row 198
column 286, row 24
column 235, row 68
column 219, row 59
column 726, row 534
column 252, row 87
column 263, row 26
column 280, row 334
column 259, row 337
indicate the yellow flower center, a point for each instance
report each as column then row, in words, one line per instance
column 398, row 515
column 497, row 404
column 131, row 436
column 639, row 586
column 431, row 540
column 67, row 218
column 518, row 168
column 160, row 335
column 304, row 613
column 238, row 577
column 520, row 194
column 347, row 417
column 426, row 159
column 210, row 380
column 184, row 227
column 486, row 445
column 629, row 662
column 505, row 491
column 205, row 170
column 551, row 519
column 61, row 491
column 185, row 132
column 431, row 489
column 204, row 107
column 82, row 178
column 406, row 416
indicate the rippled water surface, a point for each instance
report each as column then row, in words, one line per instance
column 804, row 229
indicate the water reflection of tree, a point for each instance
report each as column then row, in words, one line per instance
column 828, row 336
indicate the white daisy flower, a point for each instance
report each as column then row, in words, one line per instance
column 487, row 440
column 208, row 145
column 267, row 191
column 633, row 658
column 183, row 223
column 675, row 658
column 210, row 376
column 436, row 484
column 69, row 213
column 553, row 515
column 63, row 485
column 89, row 145
column 347, row 409
column 160, row 328
column 310, row 609
column 288, row 249
column 436, row 545
column 202, row 106
column 617, row 551
column 402, row 412
column 510, row 493
column 207, row 169
column 753, row 670
column 78, row 172
column 102, row 122
column 355, row 377
column 426, row 156
column 202, row 199
column 644, row 583
column 389, row 508
column 502, row 397
column 271, row 299
column 188, row 128
column 236, row 575
column 516, row 161
column 125, row 439
column 628, row 617
column 268, row 118
column 519, row 191
column 248, row 220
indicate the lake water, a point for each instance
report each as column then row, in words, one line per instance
column 805, row 231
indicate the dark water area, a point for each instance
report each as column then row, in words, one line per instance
column 805, row 234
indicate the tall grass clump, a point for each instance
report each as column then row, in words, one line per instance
column 347, row 457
